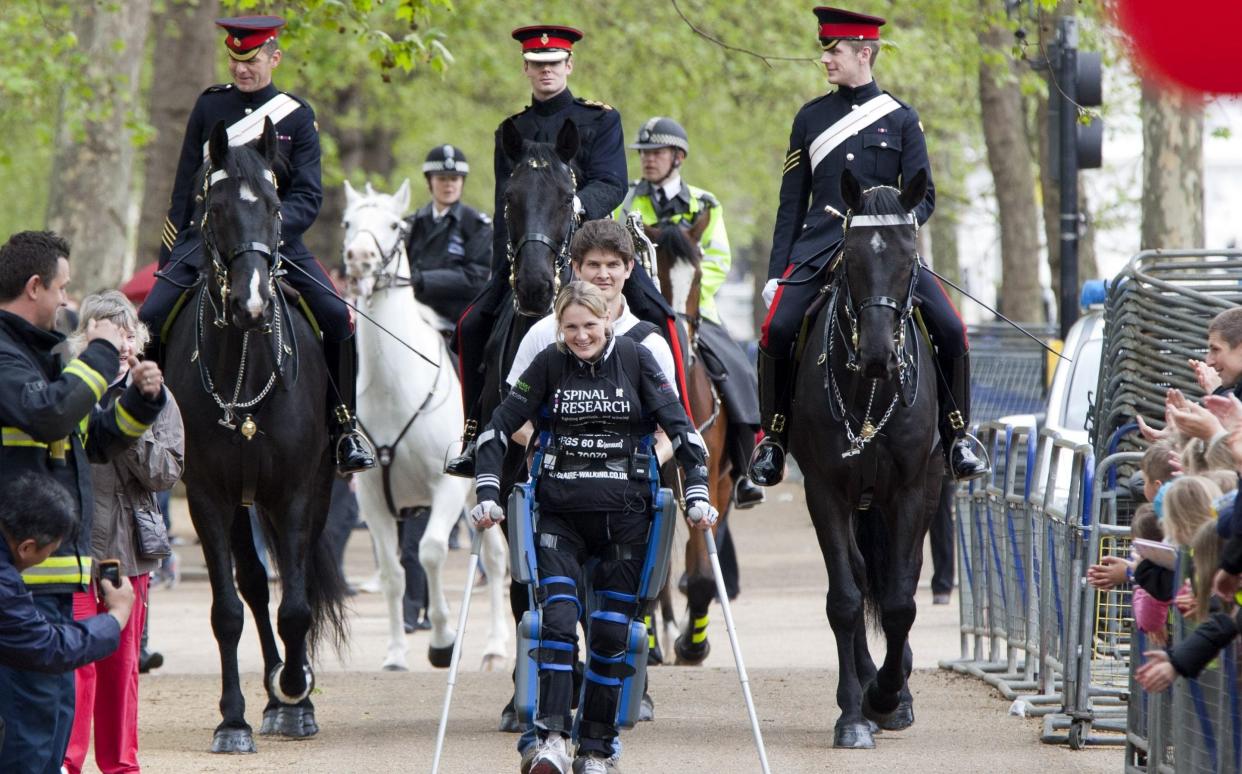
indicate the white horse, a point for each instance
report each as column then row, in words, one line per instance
column 410, row 408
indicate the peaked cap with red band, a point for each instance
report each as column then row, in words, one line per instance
column 836, row 24
column 247, row 34
column 545, row 43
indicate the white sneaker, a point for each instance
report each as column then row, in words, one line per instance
column 551, row 757
column 589, row 764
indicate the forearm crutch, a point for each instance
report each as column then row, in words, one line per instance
column 475, row 543
column 737, row 650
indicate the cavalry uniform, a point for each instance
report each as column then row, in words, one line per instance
column 51, row 425
column 880, row 140
column 673, row 201
column 298, row 182
column 601, row 179
column 595, row 502
column 451, row 251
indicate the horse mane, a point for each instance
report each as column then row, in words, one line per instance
column 245, row 163
column 881, row 200
column 674, row 242
column 549, row 163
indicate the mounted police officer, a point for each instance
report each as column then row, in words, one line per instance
column 595, row 398
column 880, row 140
column 449, row 243
column 661, row 197
column 53, row 426
column 243, row 105
column 547, row 53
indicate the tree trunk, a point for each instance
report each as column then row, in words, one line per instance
column 1172, row 170
column 92, row 169
column 184, row 35
column 1009, row 158
column 365, row 153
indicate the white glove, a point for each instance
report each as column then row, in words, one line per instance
column 701, row 514
column 769, row 292
column 578, row 208
column 485, row 514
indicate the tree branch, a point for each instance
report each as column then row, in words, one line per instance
column 767, row 59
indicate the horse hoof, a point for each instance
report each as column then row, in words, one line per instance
column 509, row 720
column 395, row 668
column 689, row 653
column 293, row 722
column 268, row 727
column 853, row 736
column 492, row 662
column 896, row 719
column 646, row 711
column 232, row 741
column 440, row 657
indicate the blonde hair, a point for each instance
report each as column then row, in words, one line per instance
column 1188, row 505
column 587, row 296
column 110, row 305
column 1205, row 551
column 1218, row 456
column 1225, row 480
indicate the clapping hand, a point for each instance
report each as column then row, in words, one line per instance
column 1205, row 375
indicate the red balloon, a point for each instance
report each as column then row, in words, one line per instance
column 1191, row 43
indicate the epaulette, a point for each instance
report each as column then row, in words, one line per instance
column 219, row 87
column 297, row 99
column 817, row 99
column 900, row 101
column 709, row 199
column 484, row 218
column 593, row 103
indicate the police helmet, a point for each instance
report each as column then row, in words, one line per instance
column 446, row 160
column 662, row 132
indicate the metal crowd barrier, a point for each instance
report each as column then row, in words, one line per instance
column 1030, row 624
column 1196, row 726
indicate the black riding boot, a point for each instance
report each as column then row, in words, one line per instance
column 767, row 464
column 745, row 493
column 964, row 464
column 462, row 465
column 352, row 452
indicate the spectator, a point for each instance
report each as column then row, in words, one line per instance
column 53, row 426
column 36, row 514
column 128, row 526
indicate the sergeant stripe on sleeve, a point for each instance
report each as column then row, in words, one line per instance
column 792, row 159
column 126, row 422
column 93, row 378
column 170, row 233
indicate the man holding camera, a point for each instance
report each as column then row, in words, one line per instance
column 51, row 426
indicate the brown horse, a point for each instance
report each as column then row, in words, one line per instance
column 678, row 267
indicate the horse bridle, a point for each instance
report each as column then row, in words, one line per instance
column 904, row 309
column 385, row 279
column 561, row 250
column 220, row 264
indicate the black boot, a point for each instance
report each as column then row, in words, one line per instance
column 767, row 464
column 462, row 465
column 964, row 464
column 352, row 452
column 745, row 493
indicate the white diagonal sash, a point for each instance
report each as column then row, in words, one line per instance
column 246, row 129
column 867, row 114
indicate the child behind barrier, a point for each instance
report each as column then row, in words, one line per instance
column 1150, row 614
column 1157, row 467
column 1220, row 625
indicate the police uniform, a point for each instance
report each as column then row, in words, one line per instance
column 53, row 426
column 298, row 182
column 880, row 140
column 592, row 416
column 450, row 252
column 676, row 202
column 601, row 179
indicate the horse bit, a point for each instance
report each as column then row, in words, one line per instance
column 868, row 429
column 561, row 251
column 385, row 279
column 220, row 266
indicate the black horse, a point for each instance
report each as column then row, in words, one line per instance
column 252, row 387
column 864, row 433
column 539, row 214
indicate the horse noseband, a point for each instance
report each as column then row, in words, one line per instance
column 884, row 301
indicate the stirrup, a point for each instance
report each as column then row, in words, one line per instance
column 982, row 457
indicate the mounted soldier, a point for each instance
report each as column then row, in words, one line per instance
column 879, row 139
column 662, row 197
column 244, row 106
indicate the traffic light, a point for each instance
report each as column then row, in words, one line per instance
column 1089, row 88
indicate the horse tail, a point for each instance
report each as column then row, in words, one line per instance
column 872, row 541
column 325, row 592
